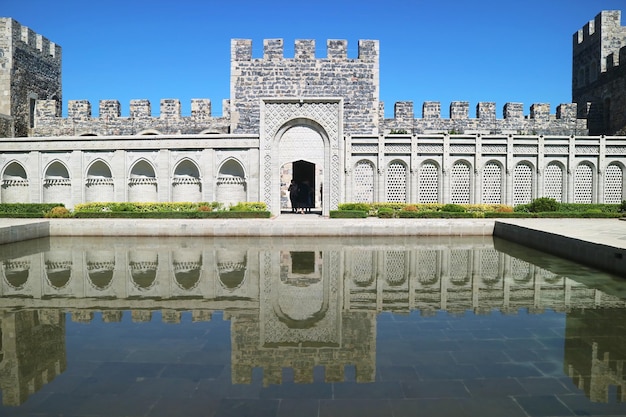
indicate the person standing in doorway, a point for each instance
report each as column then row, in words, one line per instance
column 293, row 195
column 304, row 195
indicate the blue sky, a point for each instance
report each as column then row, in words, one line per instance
column 445, row 50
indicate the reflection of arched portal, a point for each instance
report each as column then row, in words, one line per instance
column 100, row 267
column 143, row 268
column 231, row 267
column 58, row 268
column 16, row 272
column 187, row 267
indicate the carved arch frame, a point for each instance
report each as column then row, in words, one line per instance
column 326, row 117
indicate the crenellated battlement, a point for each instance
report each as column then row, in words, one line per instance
column 513, row 119
column 25, row 37
column 304, row 49
column 81, row 121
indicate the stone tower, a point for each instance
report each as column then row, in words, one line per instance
column 598, row 79
column 30, row 70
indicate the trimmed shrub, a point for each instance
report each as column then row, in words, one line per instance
column 453, row 208
column 249, row 206
column 355, row 207
column 386, row 213
column 58, row 212
column 348, row 214
column 543, row 204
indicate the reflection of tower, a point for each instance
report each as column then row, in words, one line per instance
column 317, row 334
column 33, row 352
column 594, row 351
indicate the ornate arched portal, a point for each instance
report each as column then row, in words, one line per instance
column 301, row 130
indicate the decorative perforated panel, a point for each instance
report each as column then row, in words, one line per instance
column 553, row 186
column 427, row 271
column 492, row 183
column 460, row 183
column 428, row 183
column 395, row 267
column 613, row 184
column 396, row 182
column 489, row 266
column 363, row 182
column 583, row 184
column 460, row 266
column 522, row 184
column 363, row 267
column 520, row 270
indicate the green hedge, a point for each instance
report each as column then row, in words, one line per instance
column 173, row 215
column 348, row 214
column 438, row 215
column 27, row 209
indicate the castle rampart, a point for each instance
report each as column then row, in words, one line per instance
column 80, row 121
column 540, row 121
column 36, row 63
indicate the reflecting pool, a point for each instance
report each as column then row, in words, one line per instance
column 306, row 327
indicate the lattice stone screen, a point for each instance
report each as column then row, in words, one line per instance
column 460, row 183
column 395, row 267
column 522, row 184
column 583, row 184
column 553, row 186
column 492, row 184
column 428, row 183
column 363, row 267
column 363, row 182
column 396, row 182
column 613, row 184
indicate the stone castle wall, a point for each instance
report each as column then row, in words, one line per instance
column 30, row 69
column 598, row 79
column 513, row 121
column 304, row 75
column 80, row 121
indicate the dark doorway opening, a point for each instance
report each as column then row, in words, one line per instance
column 303, row 173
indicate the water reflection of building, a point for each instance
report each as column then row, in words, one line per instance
column 595, row 352
column 292, row 305
column 33, row 352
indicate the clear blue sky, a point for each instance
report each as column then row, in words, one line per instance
column 444, row 50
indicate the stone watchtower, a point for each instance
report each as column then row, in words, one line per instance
column 599, row 73
column 30, row 70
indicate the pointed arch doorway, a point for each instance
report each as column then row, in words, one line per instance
column 302, row 172
column 304, row 132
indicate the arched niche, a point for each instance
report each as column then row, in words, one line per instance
column 231, row 183
column 142, row 184
column 15, row 184
column 57, row 186
column 99, row 183
column 186, row 183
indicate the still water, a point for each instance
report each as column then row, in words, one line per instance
column 306, row 327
